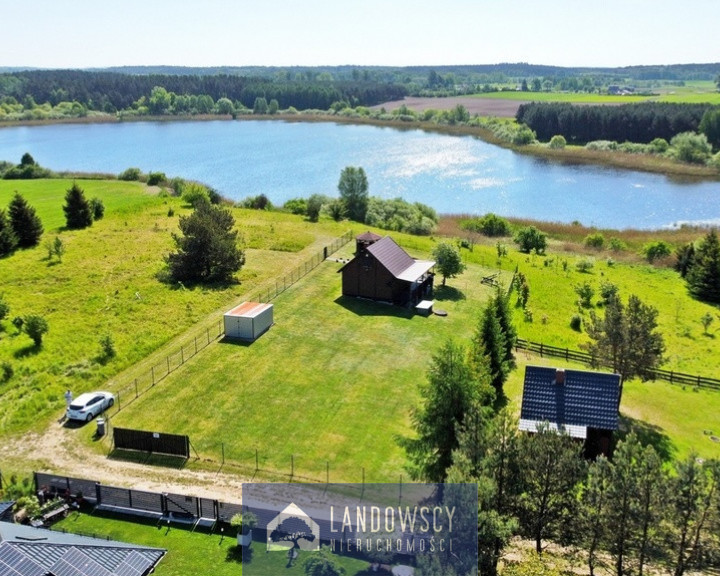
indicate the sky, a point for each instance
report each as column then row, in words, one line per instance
column 97, row 33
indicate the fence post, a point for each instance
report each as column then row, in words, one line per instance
column 182, row 355
column 541, row 350
column 207, row 331
column 195, row 344
column 167, row 358
column 292, row 466
column 136, row 390
column 327, row 472
column 152, row 370
column 256, row 460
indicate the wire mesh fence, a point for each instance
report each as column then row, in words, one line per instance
column 214, row 330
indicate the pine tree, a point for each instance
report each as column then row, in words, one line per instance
column 449, row 394
column 78, row 212
column 703, row 275
column 8, row 239
column 25, row 222
column 207, row 249
column 489, row 342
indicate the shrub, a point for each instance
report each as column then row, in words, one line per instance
column 488, row 225
column 78, row 213
column 617, row 245
column 260, row 202
column 6, row 371
column 585, row 294
column 523, row 136
column 557, row 142
column 194, row 193
column 296, row 206
column 4, row 308
column 656, row 250
column 584, row 265
column 601, row 145
column 107, row 348
column 659, row 145
column 98, row 208
column 576, row 322
column 35, row 327
column 595, row 240
column 130, row 175
column 156, row 178
column 690, row 147
column 530, row 238
column 314, row 205
column 336, row 209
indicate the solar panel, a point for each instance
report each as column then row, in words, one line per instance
column 135, row 564
column 75, row 563
column 15, row 563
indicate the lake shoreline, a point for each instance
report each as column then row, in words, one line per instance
column 571, row 155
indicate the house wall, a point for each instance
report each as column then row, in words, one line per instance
column 366, row 278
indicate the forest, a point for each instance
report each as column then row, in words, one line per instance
column 642, row 123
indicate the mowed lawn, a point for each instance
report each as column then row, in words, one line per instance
column 108, row 285
column 332, row 382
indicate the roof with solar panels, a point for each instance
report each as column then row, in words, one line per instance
column 28, row 551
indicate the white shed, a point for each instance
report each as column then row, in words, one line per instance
column 248, row 321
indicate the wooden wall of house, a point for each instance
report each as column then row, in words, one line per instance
column 366, row 278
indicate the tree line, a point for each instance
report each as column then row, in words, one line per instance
column 110, row 92
column 642, row 122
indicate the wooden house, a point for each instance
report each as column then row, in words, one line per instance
column 583, row 404
column 381, row 270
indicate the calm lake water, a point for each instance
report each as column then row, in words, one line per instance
column 450, row 173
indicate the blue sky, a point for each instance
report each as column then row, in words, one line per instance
column 85, row 33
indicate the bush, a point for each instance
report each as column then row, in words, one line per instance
column 488, row 225
column 260, row 202
column 523, row 136
column 530, row 238
column 595, row 240
column 98, row 208
column 601, row 145
column 557, row 142
column 659, row 145
column 585, row 294
column 4, row 308
column 576, row 322
column 107, row 348
column 6, row 371
column 156, row 178
column 584, row 265
column 35, row 327
column 194, row 193
column 130, row 175
column 78, row 213
column 296, row 206
column 617, row 245
column 690, row 147
column 314, row 205
column 656, row 250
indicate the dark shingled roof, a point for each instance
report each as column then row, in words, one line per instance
column 586, row 398
column 369, row 236
column 390, row 255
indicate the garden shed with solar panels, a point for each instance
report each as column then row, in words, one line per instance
column 583, row 404
column 248, row 321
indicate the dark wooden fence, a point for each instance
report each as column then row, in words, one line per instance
column 140, row 502
column 586, row 358
column 151, row 442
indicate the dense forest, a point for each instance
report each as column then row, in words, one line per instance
column 110, row 92
column 643, row 122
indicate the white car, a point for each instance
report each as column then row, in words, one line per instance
column 87, row 406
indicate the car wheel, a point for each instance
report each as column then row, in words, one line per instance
column 89, row 417
column 111, row 402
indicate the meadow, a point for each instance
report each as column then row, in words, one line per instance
column 107, row 284
column 330, row 388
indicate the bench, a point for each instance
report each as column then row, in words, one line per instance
column 489, row 280
column 55, row 513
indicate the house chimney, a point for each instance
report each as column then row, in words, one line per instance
column 560, row 376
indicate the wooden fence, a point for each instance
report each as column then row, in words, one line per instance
column 586, row 358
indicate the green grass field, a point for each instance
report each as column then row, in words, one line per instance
column 333, row 382
column 335, row 379
column 187, row 552
column 107, row 284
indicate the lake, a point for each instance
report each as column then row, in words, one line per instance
column 453, row 174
